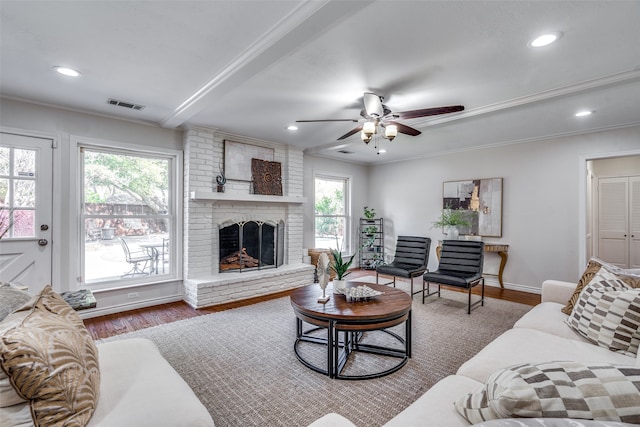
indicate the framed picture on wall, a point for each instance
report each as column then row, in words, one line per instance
column 237, row 159
column 481, row 199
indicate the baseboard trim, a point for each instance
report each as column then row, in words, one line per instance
column 491, row 281
column 97, row 312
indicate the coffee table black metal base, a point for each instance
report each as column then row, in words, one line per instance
column 338, row 350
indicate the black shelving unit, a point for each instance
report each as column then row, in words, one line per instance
column 371, row 242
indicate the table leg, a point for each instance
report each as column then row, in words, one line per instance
column 407, row 336
column 332, row 350
column 503, row 261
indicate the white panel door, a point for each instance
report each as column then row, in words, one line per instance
column 613, row 221
column 634, row 222
column 26, row 183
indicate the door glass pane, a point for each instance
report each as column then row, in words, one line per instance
column 24, row 193
column 24, row 162
column 23, row 223
column 4, row 160
column 4, row 192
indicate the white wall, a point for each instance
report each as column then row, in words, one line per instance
column 61, row 125
column 359, row 175
column 541, row 209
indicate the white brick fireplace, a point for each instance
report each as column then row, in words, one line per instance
column 206, row 211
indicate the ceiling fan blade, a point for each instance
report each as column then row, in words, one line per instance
column 372, row 104
column 406, row 129
column 413, row 114
column 351, row 132
column 328, row 120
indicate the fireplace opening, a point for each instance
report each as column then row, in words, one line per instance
column 251, row 245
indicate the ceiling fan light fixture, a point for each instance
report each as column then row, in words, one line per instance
column 365, row 138
column 390, row 132
column 369, row 128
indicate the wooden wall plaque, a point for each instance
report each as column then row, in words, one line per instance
column 267, row 177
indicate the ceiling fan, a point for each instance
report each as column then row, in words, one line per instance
column 375, row 114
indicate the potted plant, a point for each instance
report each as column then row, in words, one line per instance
column 450, row 219
column 370, row 230
column 369, row 214
column 340, row 266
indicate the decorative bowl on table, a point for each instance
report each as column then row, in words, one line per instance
column 359, row 293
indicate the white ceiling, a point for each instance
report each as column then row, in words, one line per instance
column 253, row 67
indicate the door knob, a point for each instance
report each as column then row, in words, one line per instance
column 43, row 242
column 44, row 227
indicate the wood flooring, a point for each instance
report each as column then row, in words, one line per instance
column 133, row 320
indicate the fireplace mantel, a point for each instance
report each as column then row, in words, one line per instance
column 234, row 197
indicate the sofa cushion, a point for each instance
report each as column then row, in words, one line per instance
column 608, row 314
column 138, row 387
column 595, row 266
column 517, row 346
column 435, row 407
column 599, row 391
column 51, row 362
column 547, row 317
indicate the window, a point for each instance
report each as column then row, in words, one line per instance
column 128, row 215
column 17, row 192
column 332, row 212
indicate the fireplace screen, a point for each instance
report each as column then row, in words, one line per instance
column 251, row 245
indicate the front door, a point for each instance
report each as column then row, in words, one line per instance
column 26, row 184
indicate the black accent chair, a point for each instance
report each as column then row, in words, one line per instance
column 411, row 259
column 460, row 265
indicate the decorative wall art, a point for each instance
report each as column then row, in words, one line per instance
column 267, row 177
column 237, row 159
column 481, row 199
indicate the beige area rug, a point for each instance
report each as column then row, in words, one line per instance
column 242, row 366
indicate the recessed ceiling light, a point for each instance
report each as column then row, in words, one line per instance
column 292, row 127
column 66, row 71
column 382, row 151
column 584, row 113
column 544, row 40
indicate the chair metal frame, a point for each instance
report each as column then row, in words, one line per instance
column 135, row 258
column 405, row 254
column 466, row 256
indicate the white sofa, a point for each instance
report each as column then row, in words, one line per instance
column 137, row 386
column 541, row 335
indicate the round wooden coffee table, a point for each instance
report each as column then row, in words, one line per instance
column 353, row 319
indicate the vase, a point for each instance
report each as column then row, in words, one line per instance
column 453, row 233
column 338, row 285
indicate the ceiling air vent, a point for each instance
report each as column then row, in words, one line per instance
column 345, row 152
column 125, row 104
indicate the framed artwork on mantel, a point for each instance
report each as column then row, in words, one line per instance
column 237, row 159
column 482, row 201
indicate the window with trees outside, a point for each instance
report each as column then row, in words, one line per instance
column 331, row 202
column 128, row 215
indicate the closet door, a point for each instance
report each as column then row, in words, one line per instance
column 634, row 222
column 613, row 221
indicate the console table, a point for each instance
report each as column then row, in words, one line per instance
column 499, row 248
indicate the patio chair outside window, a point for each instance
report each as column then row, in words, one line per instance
column 136, row 259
